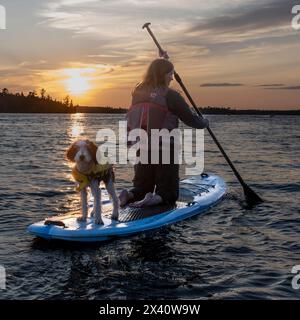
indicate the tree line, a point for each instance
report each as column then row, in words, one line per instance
column 204, row 110
column 34, row 103
column 44, row 103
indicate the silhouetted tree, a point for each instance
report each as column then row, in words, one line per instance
column 66, row 101
column 43, row 93
column 32, row 94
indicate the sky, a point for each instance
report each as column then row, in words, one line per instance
column 242, row 54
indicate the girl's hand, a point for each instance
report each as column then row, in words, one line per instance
column 163, row 54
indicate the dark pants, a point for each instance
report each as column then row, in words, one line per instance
column 165, row 177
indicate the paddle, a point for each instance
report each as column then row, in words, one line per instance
column 251, row 197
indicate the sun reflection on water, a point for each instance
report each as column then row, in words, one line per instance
column 77, row 128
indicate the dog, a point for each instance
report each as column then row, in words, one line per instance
column 87, row 172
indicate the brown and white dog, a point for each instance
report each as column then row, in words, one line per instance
column 88, row 173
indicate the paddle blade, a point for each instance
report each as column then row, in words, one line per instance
column 252, row 197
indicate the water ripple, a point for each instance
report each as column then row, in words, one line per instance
column 231, row 252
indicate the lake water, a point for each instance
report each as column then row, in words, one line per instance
column 231, row 252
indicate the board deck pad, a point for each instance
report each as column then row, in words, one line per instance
column 196, row 195
column 187, row 192
column 132, row 214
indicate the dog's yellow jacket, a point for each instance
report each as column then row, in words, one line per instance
column 98, row 171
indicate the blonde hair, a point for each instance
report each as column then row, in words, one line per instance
column 155, row 76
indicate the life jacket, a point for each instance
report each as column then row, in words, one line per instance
column 98, row 171
column 149, row 110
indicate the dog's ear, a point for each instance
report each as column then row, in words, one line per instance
column 71, row 152
column 92, row 147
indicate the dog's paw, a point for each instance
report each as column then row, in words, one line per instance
column 81, row 219
column 98, row 221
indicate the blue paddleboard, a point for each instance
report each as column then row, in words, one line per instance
column 197, row 195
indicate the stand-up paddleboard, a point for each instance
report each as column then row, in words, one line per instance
column 197, row 195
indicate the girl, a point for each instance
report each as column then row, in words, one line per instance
column 156, row 106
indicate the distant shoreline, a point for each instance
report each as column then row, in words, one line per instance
column 206, row 111
column 32, row 103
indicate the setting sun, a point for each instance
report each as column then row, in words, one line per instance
column 77, row 83
column 78, row 86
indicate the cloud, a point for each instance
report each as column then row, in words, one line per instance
column 253, row 16
column 187, row 29
column 246, row 41
column 221, row 85
column 296, row 87
column 271, row 85
column 247, row 24
column 113, row 18
column 112, row 29
column 278, row 86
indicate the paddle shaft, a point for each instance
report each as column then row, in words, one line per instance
column 178, row 79
column 248, row 192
